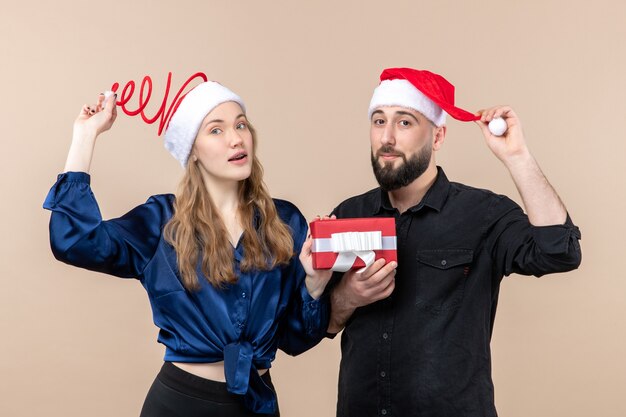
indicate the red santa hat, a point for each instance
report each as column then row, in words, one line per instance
column 182, row 119
column 420, row 90
column 191, row 111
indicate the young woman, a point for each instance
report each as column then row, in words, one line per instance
column 217, row 260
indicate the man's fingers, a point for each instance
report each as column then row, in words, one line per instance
column 387, row 291
column 383, row 289
column 382, row 280
column 370, row 270
column 379, row 275
column 383, row 274
column 487, row 115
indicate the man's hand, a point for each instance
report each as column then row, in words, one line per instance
column 360, row 288
column 509, row 147
column 542, row 203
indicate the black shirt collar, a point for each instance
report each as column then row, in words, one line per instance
column 435, row 196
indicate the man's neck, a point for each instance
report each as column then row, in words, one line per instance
column 406, row 197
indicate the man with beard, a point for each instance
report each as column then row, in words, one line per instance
column 417, row 333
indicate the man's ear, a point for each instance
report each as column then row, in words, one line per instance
column 439, row 134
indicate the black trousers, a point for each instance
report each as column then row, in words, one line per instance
column 177, row 393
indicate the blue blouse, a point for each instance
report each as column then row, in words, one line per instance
column 242, row 324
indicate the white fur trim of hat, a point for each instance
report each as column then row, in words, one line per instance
column 402, row 93
column 186, row 120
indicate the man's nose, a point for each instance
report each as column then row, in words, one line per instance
column 388, row 135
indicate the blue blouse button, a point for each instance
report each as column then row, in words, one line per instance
column 243, row 295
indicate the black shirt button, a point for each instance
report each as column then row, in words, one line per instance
column 444, row 262
column 385, row 336
column 383, row 374
column 383, row 412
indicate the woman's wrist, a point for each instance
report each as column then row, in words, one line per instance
column 82, row 137
column 315, row 286
column 81, row 152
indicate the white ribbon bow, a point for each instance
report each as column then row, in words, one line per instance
column 352, row 245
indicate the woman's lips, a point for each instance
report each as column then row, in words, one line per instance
column 239, row 159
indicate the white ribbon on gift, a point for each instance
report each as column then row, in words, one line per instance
column 352, row 245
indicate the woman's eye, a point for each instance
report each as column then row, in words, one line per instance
column 215, row 131
column 241, row 125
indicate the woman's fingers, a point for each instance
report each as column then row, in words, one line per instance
column 100, row 102
column 306, row 247
column 84, row 111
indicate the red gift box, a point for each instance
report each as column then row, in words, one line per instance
column 342, row 244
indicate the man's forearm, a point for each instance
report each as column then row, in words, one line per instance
column 340, row 310
column 542, row 203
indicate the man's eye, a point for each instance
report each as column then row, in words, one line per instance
column 379, row 122
column 405, row 123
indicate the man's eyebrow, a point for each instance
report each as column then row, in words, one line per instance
column 406, row 113
column 399, row 112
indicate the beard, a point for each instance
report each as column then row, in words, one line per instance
column 390, row 178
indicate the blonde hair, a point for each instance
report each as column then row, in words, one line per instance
column 197, row 227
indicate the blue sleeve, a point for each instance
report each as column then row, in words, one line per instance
column 307, row 319
column 79, row 237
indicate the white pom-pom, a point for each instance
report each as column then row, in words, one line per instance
column 107, row 94
column 497, row 126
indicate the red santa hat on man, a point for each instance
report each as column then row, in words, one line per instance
column 420, row 90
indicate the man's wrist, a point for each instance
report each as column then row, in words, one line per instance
column 519, row 161
column 341, row 309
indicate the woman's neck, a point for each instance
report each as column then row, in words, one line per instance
column 225, row 195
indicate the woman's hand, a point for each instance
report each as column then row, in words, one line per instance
column 316, row 279
column 96, row 118
column 92, row 120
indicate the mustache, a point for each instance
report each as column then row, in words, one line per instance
column 389, row 150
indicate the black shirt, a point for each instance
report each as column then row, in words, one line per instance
column 425, row 351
